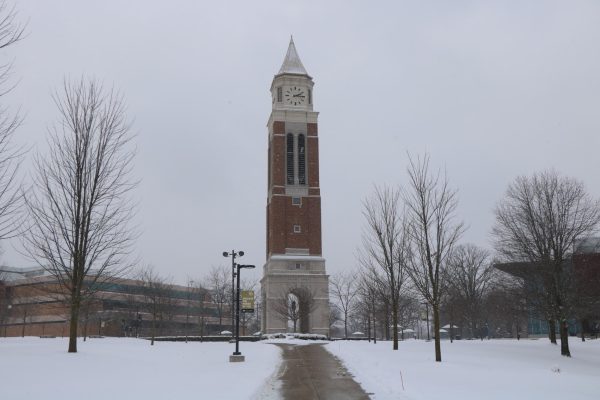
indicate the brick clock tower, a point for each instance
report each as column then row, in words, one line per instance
column 294, row 283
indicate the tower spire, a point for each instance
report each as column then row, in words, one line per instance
column 291, row 63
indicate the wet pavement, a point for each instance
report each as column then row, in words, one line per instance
column 311, row 372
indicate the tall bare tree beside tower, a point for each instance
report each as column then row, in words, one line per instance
column 434, row 231
column 79, row 206
column 385, row 249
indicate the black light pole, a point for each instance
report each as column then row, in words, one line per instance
column 233, row 255
column 237, row 310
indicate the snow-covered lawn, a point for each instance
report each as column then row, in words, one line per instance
column 117, row 368
column 489, row 369
column 120, row 368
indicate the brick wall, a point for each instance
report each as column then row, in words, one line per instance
column 282, row 215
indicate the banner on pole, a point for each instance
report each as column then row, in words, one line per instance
column 247, row 301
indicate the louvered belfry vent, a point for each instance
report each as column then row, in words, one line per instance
column 301, row 160
column 290, row 159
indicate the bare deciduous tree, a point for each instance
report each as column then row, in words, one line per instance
column 343, row 290
column 538, row 221
column 4, row 300
column 431, row 207
column 156, row 289
column 219, row 284
column 201, row 294
column 385, row 245
column 370, row 289
column 470, row 273
column 506, row 305
column 335, row 315
column 11, row 31
column 79, row 206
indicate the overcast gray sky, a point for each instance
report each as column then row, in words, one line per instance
column 490, row 89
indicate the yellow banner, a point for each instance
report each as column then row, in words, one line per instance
column 248, row 301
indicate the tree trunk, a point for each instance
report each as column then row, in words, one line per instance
column 73, row 326
column 153, row 329
column 202, row 326
column 368, row 328
column 386, row 321
column 85, row 325
column 346, row 324
column 436, row 329
column 24, row 323
column 374, row 329
column 552, row 331
column 395, row 323
column 564, row 339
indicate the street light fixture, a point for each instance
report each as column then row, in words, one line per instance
column 233, row 255
column 237, row 356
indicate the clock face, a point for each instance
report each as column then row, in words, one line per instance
column 295, row 96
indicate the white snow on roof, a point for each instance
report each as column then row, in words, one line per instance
column 291, row 63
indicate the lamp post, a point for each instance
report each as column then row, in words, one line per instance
column 233, row 255
column 237, row 356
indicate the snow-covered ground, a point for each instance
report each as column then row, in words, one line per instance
column 489, row 369
column 120, row 368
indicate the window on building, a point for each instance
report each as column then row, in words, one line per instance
column 279, row 94
column 290, row 158
column 297, row 229
column 298, row 266
column 296, row 201
column 301, row 160
column 309, row 96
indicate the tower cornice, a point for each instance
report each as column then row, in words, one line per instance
column 307, row 117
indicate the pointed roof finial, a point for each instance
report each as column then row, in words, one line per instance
column 291, row 63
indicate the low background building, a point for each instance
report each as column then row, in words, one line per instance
column 582, row 280
column 31, row 305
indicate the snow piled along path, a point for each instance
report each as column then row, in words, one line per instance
column 122, row 368
column 489, row 369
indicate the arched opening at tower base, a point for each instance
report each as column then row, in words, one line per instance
column 294, row 307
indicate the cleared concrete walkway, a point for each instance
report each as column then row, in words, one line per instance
column 311, row 372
